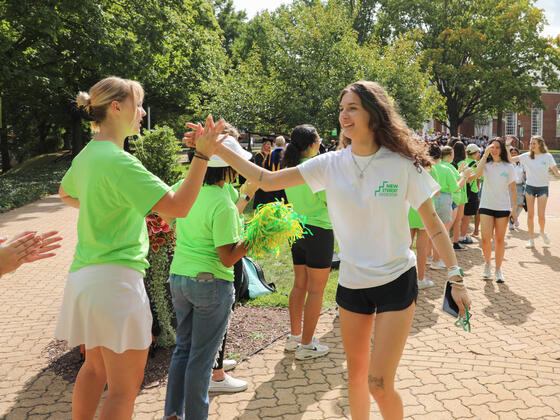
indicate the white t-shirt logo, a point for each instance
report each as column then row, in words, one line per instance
column 387, row 190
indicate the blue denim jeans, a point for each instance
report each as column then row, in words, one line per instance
column 203, row 307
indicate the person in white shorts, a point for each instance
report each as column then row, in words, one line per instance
column 369, row 187
column 105, row 305
column 537, row 163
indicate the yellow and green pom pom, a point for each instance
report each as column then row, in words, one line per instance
column 273, row 224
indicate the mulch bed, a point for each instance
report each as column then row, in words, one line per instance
column 251, row 330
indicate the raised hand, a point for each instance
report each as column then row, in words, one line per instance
column 26, row 247
column 47, row 244
column 206, row 139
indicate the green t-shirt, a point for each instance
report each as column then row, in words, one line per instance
column 234, row 195
column 445, row 178
column 313, row 206
column 115, row 192
column 459, row 197
column 213, row 221
column 473, row 184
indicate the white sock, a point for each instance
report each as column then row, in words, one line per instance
column 297, row 337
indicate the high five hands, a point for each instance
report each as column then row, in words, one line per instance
column 205, row 139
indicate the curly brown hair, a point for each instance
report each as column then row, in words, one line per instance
column 388, row 127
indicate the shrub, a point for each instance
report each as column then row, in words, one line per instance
column 21, row 187
column 157, row 149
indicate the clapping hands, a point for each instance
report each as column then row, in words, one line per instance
column 26, row 247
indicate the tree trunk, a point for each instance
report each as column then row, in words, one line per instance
column 4, row 150
column 453, row 126
column 43, row 130
column 67, row 140
column 499, row 128
column 77, row 136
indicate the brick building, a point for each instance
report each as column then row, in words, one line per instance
column 543, row 122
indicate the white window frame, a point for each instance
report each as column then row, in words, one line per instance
column 536, row 130
column 511, row 125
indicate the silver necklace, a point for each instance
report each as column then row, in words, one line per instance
column 361, row 174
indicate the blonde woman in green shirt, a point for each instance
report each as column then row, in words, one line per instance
column 312, row 254
column 105, row 305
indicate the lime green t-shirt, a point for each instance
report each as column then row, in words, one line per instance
column 459, row 197
column 445, row 178
column 213, row 221
column 115, row 192
column 473, row 184
column 312, row 206
column 234, row 195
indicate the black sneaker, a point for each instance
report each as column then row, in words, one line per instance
column 467, row 240
column 458, row 247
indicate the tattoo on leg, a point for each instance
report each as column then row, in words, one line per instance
column 261, row 175
column 376, row 382
column 435, row 234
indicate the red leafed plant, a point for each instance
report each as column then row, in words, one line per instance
column 158, row 231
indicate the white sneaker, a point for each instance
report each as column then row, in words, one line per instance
column 425, row 283
column 228, row 364
column 530, row 244
column 292, row 342
column 430, row 259
column 545, row 238
column 511, row 226
column 499, row 276
column 438, row 265
column 229, row 384
column 516, row 224
column 486, row 272
column 311, row 350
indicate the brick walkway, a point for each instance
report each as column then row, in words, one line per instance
column 507, row 368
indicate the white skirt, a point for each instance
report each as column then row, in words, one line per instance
column 105, row 305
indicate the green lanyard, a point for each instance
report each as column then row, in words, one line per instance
column 464, row 321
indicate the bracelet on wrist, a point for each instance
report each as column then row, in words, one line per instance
column 455, row 271
column 201, row 156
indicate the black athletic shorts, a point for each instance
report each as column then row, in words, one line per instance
column 495, row 213
column 394, row 296
column 472, row 205
column 316, row 250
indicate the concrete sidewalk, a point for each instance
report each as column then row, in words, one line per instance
column 507, row 368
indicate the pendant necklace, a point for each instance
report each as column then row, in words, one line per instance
column 361, row 175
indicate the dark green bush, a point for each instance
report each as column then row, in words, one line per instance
column 158, row 150
column 29, row 184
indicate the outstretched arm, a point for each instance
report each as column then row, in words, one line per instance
column 179, row 203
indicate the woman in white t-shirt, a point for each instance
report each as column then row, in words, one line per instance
column 537, row 162
column 520, row 185
column 499, row 197
column 370, row 186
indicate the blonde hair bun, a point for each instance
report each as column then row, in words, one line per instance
column 83, row 99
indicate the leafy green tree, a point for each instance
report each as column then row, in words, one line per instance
column 484, row 56
column 296, row 60
column 50, row 50
column 231, row 22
